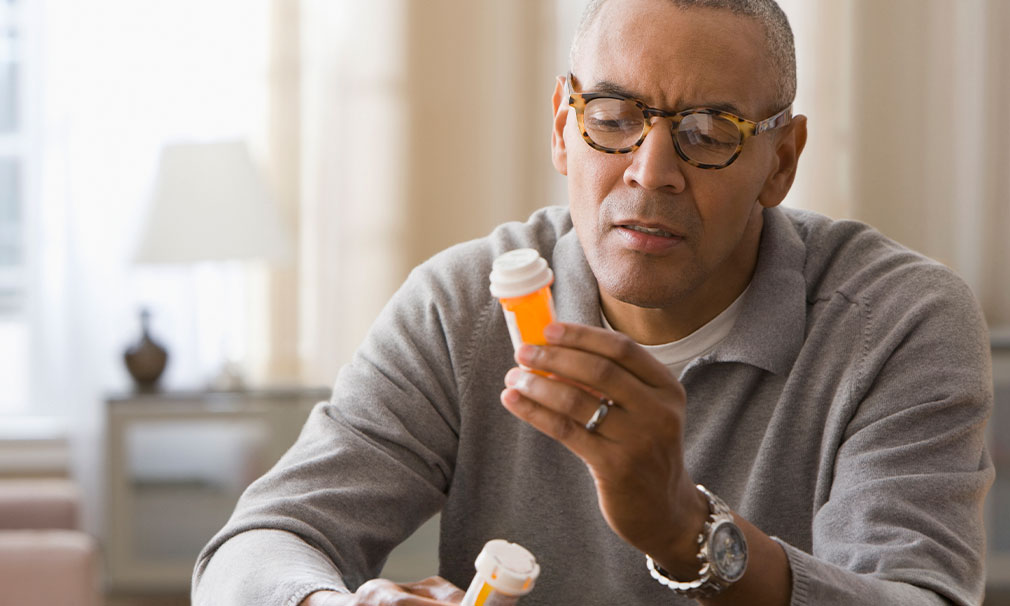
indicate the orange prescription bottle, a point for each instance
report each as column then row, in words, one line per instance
column 505, row 572
column 521, row 280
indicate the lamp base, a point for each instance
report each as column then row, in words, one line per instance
column 146, row 359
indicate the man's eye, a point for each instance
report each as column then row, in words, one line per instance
column 697, row 138
column 612, row 124
column 694, row 137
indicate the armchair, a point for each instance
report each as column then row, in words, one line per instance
column 45, row 560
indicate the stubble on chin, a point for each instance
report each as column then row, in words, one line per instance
column 641, row 283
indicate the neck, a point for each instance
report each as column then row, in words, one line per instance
column 650, row 326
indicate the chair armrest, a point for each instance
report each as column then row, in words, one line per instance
column 48, row 568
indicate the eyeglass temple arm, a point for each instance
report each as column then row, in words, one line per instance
column 780, row 119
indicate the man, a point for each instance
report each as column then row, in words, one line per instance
column 823, row 383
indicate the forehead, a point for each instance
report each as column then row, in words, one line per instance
column 676, row 58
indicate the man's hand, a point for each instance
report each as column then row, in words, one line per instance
column 433, row 591
column 636, row 454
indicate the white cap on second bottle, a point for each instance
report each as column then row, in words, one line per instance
column 508, row 567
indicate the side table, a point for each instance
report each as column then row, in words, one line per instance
column 177, row 463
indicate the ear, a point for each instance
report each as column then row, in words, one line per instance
column 559, row 154
column 790, row 144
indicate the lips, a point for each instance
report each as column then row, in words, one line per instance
column 653, row 238
column 650, row 228
column 652, row 231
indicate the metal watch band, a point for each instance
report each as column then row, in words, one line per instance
column 708, row 584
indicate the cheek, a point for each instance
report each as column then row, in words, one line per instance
column 593, row 175
column 725, row 209
column 592, row 178
column 590, row 170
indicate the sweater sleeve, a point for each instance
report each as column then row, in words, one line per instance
column 903, row 521
column 369, row 467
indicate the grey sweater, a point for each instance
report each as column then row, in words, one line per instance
column 844, row 414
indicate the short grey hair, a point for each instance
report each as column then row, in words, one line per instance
column 778, row 36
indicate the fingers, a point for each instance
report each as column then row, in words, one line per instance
column 433, row 591
column 560, row 390
column 436, row 588
column 612, row 345
column 588, row 373
column 561, row 427
column 328, row 598
column 603, row 360
column 599, row 448
column 571, row 405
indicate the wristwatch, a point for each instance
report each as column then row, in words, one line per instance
column 722, row 553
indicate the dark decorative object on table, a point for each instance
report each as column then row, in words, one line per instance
column 145, row 359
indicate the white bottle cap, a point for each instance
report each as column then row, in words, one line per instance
column 519, row 272
column 508, row 567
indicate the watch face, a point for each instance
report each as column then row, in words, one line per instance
column 728, row 551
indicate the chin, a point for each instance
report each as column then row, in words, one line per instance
column 652, row 292
column 640, row 284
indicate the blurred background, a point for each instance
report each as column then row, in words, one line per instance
column 205, row 203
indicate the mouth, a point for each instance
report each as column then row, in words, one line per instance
column 652, row 231
column 650, row 238
column 650, row 228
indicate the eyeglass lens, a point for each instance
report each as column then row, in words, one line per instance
column 617, row 123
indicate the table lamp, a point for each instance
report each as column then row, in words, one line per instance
column 210, row 204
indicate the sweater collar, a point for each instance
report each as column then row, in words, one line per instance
column 576, row 292
column 769, row 331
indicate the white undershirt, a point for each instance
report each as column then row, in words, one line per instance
column 676, row 355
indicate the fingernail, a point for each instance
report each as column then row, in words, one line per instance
column 512, row 376
column 527, row 353
column 509, row 396
column 554, row 331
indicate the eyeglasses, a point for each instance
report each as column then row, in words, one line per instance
column 703, row 137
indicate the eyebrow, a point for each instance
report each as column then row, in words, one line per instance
column 612, row 88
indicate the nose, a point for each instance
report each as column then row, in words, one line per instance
column 655, row 164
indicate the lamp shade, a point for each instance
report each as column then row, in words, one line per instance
column 210, row 204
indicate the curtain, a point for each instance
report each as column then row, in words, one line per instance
column 120, row 78
column 276, row 317
column 424, row 124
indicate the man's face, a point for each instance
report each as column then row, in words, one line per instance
column 709, row 220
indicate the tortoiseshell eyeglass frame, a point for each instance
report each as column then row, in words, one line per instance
column 747, row 128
